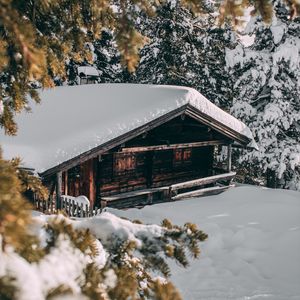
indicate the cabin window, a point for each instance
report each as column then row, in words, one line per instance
column 182, row 157
column 124, row 163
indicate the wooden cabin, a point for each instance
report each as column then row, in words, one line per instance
column 136, row 144
column 87, row 75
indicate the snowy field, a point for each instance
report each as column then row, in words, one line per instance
column 253, row 250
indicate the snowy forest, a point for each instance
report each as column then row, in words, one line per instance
column 249, row 68
column 244, row 57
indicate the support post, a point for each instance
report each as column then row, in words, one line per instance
column 229, row 154
column 98, row 182
column 66, row 182
column 149, row 168
column 58, row 189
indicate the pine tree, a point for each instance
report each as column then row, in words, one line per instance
column 105, row 58
column 267, row 97
column 167, row 58
column 211, row 76
column 189, row 51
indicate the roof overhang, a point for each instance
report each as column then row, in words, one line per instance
column 218, row 126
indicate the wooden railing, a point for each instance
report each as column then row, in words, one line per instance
column 73, row 209
column 175, row 189
column 45, row 206
column 68, row 206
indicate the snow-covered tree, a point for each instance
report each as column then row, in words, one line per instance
column 187, row 50
column 210, row 75
column 167, row 58
column 105, row 58
column 267, row 96
column 37, row 37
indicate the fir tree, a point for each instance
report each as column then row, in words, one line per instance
column 105, row 57
column 211, row 77
column 187, row 51
column 267, row 97
column 167, row 58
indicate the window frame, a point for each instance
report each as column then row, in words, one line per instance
column 124, row 163
column 182, row 157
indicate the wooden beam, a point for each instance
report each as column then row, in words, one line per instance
column 149, row 169
column 174, row 146
column 201, row 192
column 98, row 166
column 218, row 126
column 65, row 174
column 229, row 152
column 58, row 189
column 134, row 194
column 201, row 181
column 92, row 191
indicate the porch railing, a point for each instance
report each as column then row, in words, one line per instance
column 68, row 206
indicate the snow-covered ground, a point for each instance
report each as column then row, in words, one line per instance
column 253, row 250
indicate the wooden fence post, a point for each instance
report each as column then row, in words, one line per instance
column 73, row 208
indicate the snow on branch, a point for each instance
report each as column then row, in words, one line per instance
column 102, row 255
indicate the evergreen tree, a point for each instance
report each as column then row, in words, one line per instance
column 105, row 57
column 187, row 51
column 167, row 58
column 211, row 77
column 267, row 97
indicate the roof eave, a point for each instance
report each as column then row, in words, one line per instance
column 218, row 126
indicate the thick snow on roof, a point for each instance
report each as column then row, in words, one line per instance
column 72, row 120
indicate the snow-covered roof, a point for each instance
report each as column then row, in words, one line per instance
column 88, row 71
column 72, row 120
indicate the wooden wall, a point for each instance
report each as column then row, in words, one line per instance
column 166, row 171
column 112, row 182
column 81, row 180
column 153, row 169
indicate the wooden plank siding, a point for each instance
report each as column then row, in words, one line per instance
column 166, row 172
column 112, row 182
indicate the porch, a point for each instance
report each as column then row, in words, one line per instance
column 210, row 185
